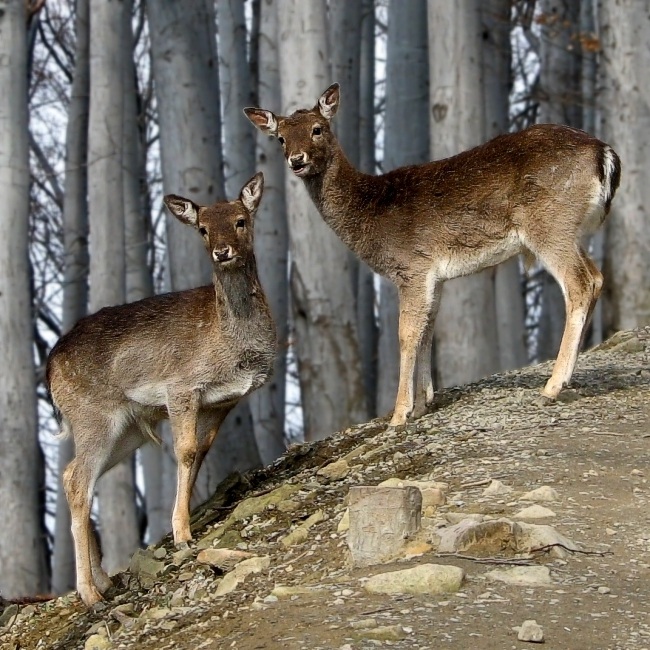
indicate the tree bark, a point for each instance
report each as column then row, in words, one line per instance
column 75, row 271
column 560, row 101
column 116, row 489
column 508, row 285
column 625, row 108
column 466, row 337
column 236, row 92
column 323, row 301
column 271, row 245
column 406, row 142
column 22, row 547
column 345, row 20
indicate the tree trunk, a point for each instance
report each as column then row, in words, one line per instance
column 186, row 74
column 625, row 107
column 271, row 245
column 75, row 272
column 323, row 301
column 466, row 337
column 406, row 142
column 116, row 489
column 559, row 102
column 236, row 92
column 22, row 547
column 508, row 286
column 345, row 21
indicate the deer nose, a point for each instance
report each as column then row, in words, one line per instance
column 222, row 254
column 297, row 160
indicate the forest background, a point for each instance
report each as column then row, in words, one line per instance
column 105, row 105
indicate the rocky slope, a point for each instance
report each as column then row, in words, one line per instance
column 271, row 567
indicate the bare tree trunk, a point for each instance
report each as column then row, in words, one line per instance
column 323, row 301
column 116, row 489
column 366, row 299
column 75, row 272
column 406, row 142
column 466, row 337
column 345, row 19
column 22, row 549
column 508, row 286
column 139, row 281
column 236, row 92
column 186, row 74
column 271, row 244
column 625, row 108
column 560, row 102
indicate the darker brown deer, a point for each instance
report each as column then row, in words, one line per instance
column 536, row 193
column 189, row 356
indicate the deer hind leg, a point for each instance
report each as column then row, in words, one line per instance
column 581, row 284
column 208, row 429
column 183, row 419
column 424, row 381
column 79, row 483
column 414, row 320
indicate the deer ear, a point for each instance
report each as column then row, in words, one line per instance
column 328, row 103
column 265, row 121
column 183, row 209
column 251, row 193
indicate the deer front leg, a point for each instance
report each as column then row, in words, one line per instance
column 78, row 484
column 183, row 414
column 210, row 429
column 413, row 321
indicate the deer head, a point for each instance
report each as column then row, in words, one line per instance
column 306, row 136
column 226, row 228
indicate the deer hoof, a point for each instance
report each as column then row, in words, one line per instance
column 90, row 595
column 544, row 400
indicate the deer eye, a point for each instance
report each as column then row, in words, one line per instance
column 317, row 130
column 240, row 223
column 203, row 232
column 281, row 140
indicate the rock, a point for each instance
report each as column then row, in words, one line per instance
column 255, row 505
column 241, row 572
column 223, row 558
column 526, row 576
column 604, row 590
column 534, row 536
column 382, row 519
column 433, row 492
column 287, row 591
column 530, row 631
column 480, row 538
column 544, row 493
column 97, row 642
column 335, row 471
column 8, row 614
column 288, row 505
column 301, row 533
column 422, row 579
column 155, row 614
column 344, row 524
column 457, row 517
column 143, row 564
column 160, row 553
column 383, row 633
column 496, row 488
column 535, row 512
column 179, row 557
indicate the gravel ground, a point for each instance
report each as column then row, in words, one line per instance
column 592, row 448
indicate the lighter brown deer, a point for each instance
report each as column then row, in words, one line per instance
column 536, row 193
column 190, row 356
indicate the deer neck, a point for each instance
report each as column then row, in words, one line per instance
column 338, row 192
column 239, row 293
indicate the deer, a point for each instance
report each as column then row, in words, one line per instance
column 534, row 193
column 189, row 356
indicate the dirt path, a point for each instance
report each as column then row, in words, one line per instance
column 593, row 448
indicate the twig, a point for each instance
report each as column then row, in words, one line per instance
column 548, row 547
column 486, row 481
column 608, row 433
column 490, row 560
